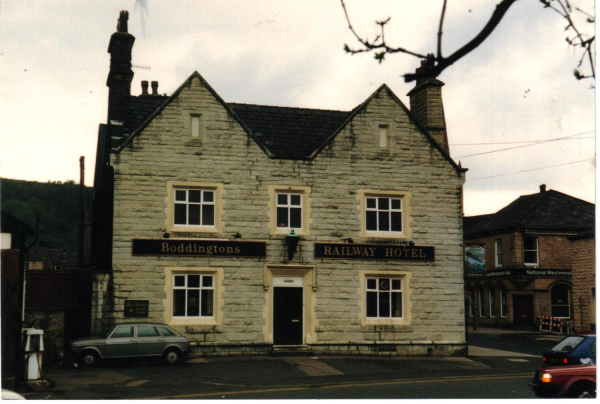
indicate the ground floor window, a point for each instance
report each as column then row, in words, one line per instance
column 480, row 302
column 492, row 301
column 193, row 295
column 384, row 297
column 561, row 305
column 503, row 307
column 471, row 303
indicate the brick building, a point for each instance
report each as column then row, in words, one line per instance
column 583, row 261
column 250, row 228
column 523, row 261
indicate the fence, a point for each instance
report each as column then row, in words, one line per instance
column 562, row 324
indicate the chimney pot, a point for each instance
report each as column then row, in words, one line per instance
column 144, row 87
column 122, row 23
column 542, row 188
column 155, row 88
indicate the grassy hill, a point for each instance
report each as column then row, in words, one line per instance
column 56, row 203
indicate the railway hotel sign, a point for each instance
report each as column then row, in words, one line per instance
column 391, row 252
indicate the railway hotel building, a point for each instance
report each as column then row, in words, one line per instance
column 255, row 228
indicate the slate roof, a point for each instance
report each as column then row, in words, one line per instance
column 281, row 132
column 140, row 109
column 290, row 133
column 544, row 210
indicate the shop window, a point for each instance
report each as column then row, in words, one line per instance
column 480, row 302
column 194, row 207
column 492, row 302
column 498, row 252
column 384, row 214
column 193, row 296
column 561, row 305
column 531, row 251
column 289, row 209
column 471, row 303
column 503, row 307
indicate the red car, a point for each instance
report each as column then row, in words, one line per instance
column 565, row 381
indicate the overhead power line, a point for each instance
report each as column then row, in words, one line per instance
column 518, row 147
column 526, row 141
column 533, row 169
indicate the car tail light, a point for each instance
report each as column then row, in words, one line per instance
column 546, row 378
column 565, row 361
column 544, row 359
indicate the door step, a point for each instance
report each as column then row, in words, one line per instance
column 291, row 350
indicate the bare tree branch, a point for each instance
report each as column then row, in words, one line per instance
column 439, row 49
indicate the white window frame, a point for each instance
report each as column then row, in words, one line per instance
column 305, row 206
column 288, row 206
column 218, row 192
column 404, row 197
column 200, row 288
column 378, row 281
column 498, row 253
column 196, row 125
column 201, row 203
column 404, row 278
column 537, row 251
column 503, row 302
column 492, row 302
column 169, row 288
column 481, row 302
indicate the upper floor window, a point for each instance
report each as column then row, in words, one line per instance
column 384, row 136
column 498, row 252
column 194, row 207
column 195, row 125
column 384, row 214
column 289, row 210
column 531, row 250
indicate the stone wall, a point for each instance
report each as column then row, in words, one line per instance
column 353, row 160
column 584, row 282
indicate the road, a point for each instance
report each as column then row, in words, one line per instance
column 499, row 366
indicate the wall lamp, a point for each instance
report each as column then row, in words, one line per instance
column 348, row 240
column 237, row 235
column 292, row 241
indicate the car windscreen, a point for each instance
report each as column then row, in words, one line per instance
column 112, row 327
column 567, row 344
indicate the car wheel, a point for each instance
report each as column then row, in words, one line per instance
column 587, row 390
column 171, row 357
column 89, row 359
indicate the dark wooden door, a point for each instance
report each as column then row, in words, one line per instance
column 523, row 310
column 287, row 316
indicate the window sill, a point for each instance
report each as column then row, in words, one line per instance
column 385, row 321
column 281, row 231
column 383, row 234
column 192, row 229
column 175, row 321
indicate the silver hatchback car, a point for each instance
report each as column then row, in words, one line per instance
column 132, row 340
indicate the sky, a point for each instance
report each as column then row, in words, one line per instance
column 516, row 89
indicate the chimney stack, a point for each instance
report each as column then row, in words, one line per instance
column 542, row 188
column 144, row 87
column 426, row 103
column 120, row 73
column 155, row 88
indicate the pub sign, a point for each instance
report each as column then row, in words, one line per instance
column 391, row 252
column 199, row 248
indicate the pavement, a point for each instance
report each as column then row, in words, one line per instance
column 209, row 377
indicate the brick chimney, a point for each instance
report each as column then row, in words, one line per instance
column 154, row 87
column 426, row 103
column 120, row 73
column 144, row 87
column 542, row 188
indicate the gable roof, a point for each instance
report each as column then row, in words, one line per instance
column 544, row 210
column 281, row 132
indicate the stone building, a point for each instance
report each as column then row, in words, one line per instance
column 583, row 260
column 251, row 228
column 522, row 262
